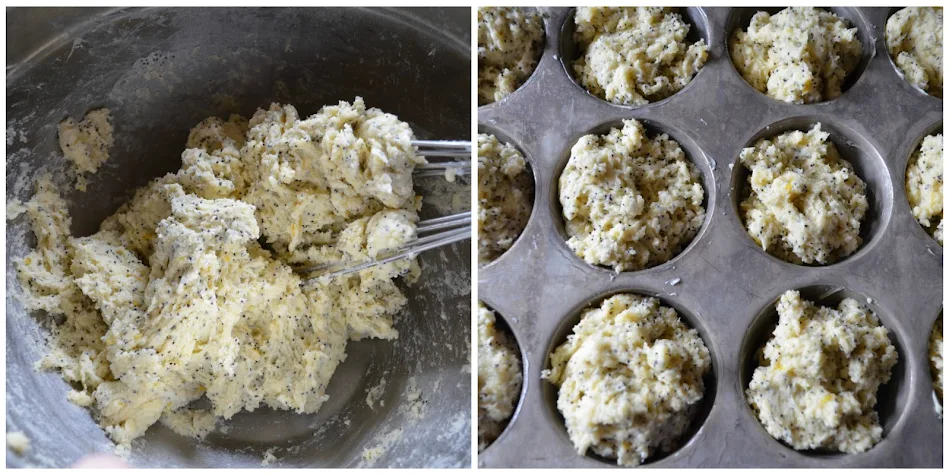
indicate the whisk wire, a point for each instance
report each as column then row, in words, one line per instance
column 458, row 151
column 450, row 229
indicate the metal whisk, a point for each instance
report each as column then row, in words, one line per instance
column 443, row 155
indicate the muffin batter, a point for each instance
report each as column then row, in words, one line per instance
column 924, row 185
column 635, row 55
column 816, row 386
column 510, row 42
column 914, row 40
column 175, row 299
column 799, row 55
column 630, row 202
column 505, row 195
column 86, row 143
column 499, row 378
column 630, row 378
column 806, row 202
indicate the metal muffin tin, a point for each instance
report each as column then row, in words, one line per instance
column 726, row 286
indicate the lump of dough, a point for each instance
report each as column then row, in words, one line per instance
column 219, row 318
column 914, row 40
column 211, row 166
column 86, row 143
column 510, row 42
column 806, row 203
column 18, row 442
column 924, row 185
column 817, row 380
column 15, row 208
column 630, row 201
column 505, row 196
column 635, row 55
column 310, row 178
column 799, row 55
column 630, row 378
column 193, row 423
column 499, row 378
column 48, row 285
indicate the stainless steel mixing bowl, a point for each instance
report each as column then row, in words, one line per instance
column 161, row 71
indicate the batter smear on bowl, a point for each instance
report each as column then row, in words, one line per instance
column 799, row 55
column 174, row 299
column 806, row 203
column 816, row 386
column 86, row 143
column 630, row 379
column 635, row 55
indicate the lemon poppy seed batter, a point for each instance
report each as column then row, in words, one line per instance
column 499, row 378
column 635, row 55
column 505, row 194
column 510, row 42
column 817, row 380
column 630, row 201
column 86, row 143
column 629, row 379
column 924, row 185
column 800, row 54
column 806, row 203
column 174, row 299
column 914, row 40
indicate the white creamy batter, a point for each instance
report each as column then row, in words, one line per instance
column 499, row 378
column 510, row 42
column 799, row 55
column 914, row 39
column 924, row 184
column 175, row 300
column 816, row 386
column 635, row 55
column 505, row 196
column 630, row 378
column 806, row 203
column 86, row 143
column 630, row 201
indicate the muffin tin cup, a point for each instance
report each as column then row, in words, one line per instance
column 725, row 282
column 889, row 12
column 504, row 139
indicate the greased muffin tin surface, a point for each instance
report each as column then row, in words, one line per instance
column 722, row 283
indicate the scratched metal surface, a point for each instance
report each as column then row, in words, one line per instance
column 728, row 285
